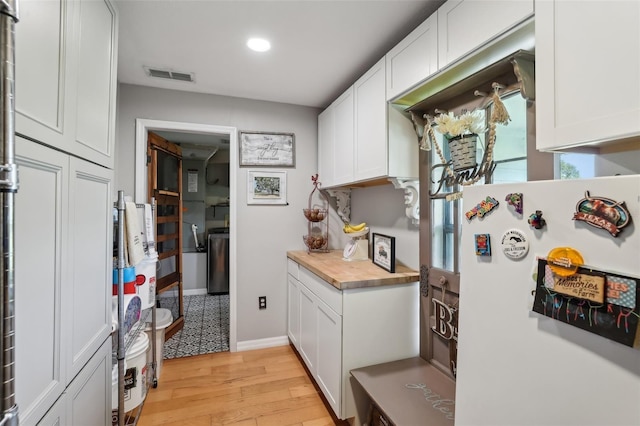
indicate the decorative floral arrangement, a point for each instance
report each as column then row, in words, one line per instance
column 452, row 126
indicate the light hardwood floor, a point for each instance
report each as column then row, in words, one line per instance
column 257, row 388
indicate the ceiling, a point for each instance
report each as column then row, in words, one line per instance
column 319, row 47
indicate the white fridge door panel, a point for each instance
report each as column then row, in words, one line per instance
column 516, row 366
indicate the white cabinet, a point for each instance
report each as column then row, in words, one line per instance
column 326, row 143
column 371, row 124
column 308, row 329
column 361, row 138
column 587, row 67
column 465, row 25
column 66, row 76
column 293, row 311
column 41, row 221
column 340, row 330
column 343, row 132
column 88, row 397
column 63, row 235
column 413, row 59
column 87, row 291
column 329, row 362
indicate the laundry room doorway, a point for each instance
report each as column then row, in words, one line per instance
column 209, row 161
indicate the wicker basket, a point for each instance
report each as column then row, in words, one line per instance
column 463, row 151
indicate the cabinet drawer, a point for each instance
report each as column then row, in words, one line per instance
column 325, row 291
column 293, row 268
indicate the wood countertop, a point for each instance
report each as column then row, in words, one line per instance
column 344, row 275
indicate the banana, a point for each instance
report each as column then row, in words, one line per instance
column 349, row 228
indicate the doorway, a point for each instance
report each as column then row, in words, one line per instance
column 217, row 146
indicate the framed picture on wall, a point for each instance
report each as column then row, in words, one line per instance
column 384, row 251
column 266, row 187
column 267, row 149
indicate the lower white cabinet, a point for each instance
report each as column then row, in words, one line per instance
column 63, row 235
column 87, row 400
column 340, row 330
column 89, row 394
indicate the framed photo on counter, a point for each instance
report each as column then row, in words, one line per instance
column 384, row 251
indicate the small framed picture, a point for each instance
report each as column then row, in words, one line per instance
column 267, row 149
column 266, row 187
column 384, row 251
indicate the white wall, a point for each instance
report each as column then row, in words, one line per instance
column 264, row 233
column 614, row 163
column 383, row 208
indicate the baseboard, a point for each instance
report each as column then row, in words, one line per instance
column 194, row 292
column 269, row 342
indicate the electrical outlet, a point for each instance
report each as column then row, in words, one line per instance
column 262, row 302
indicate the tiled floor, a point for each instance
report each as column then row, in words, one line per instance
column 206, row 327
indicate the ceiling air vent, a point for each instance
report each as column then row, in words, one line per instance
column 170, row 75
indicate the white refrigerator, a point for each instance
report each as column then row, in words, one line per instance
column 572, row 361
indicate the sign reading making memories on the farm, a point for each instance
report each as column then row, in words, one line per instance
column 576, row 300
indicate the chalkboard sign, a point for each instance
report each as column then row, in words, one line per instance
column 615, row 318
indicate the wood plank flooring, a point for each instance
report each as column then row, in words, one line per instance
column 264, row 387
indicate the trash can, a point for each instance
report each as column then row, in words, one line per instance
column 163, row 320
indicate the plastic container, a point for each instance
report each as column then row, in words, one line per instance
column 135, row 377
column 146, row 281
column 129, row 281
column 163, row 320
column 132, row 310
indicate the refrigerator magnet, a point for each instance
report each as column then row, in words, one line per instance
column 515, row 244
column 536, row 221
column 515, row 199
column 482, row 208
column 601, row 212
column 483, row 244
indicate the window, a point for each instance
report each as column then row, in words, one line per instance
column 510, row 157
column 575, row 166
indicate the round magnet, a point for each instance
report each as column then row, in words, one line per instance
column 515, row 244
column 564, row 261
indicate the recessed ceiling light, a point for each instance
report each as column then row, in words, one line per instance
column 258, row 44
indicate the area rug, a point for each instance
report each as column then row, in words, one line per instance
column 206, row 327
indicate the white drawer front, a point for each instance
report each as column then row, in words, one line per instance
column 325, row 291
column 292, row 268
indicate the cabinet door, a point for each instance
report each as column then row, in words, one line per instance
column 41, row 212
column 326, row 147
column 343, row 152
column 371, row 124
column 87, row 301
column 293, row 311
column 329, row 363
column 96, row 82
column 413, row 59
column 308, row 329
column 461, row 27
column 582, row 98
column 89, row 395
column 44, row 106
column 57, row 414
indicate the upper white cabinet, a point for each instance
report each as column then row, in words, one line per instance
column 465, row 25
column 370, row 124
column 326, row 127
column 66, row 76
column 343, row 131
column 587, row 68
column 413, row 59
column 361, row 138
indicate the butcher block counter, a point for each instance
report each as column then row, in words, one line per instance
column 342, row 274
column 343, row 315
